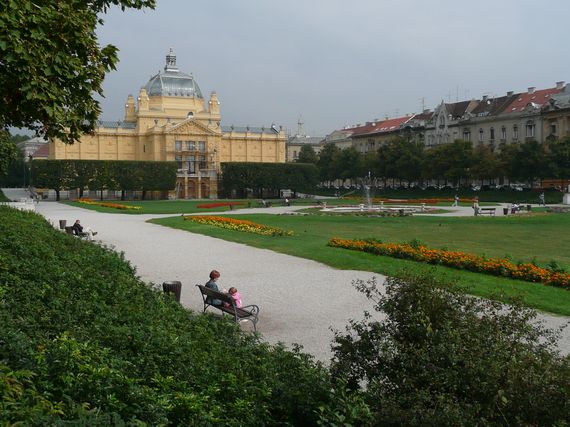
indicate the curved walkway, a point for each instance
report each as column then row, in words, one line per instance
column 300, row 300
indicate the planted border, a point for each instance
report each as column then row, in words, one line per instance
column 109, row 205
column 218, row 205
column 238, row 225
column 459, row 260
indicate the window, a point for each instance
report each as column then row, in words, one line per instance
column 191, row 164
column 190, row 145
column 552, row 128
column 530, row 130
column 179, row 163
column 503, row 133
column 178, row 145
column 202, row 162
column 481, row 135
column 467, row 135
column 294, row 154
column 515, row 132
column 492, row 134
column 202, row 146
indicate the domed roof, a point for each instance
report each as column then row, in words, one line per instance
column 172, row 82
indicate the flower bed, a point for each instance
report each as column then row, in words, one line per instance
column 460, row 260
column 239, row 225
column 109, row 205
column 218, row 205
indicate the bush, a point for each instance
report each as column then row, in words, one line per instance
column 83, row 340
column 442, row 358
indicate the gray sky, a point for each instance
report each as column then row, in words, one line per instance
column 339, row 63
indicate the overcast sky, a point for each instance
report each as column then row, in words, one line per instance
column 337, row 63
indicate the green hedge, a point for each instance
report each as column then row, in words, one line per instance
column 267, row 178
column 104, row 175
column 82, row 339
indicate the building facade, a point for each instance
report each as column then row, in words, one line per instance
column 171, row 121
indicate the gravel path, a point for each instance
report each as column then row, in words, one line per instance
column 300, row 300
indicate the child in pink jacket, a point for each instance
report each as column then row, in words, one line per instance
column 236, row 296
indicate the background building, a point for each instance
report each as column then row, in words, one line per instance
column 170, row 121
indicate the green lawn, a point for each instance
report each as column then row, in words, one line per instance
column 539, row 237
column 3, row 198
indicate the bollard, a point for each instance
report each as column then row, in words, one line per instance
column 173, row 287
column 62, row 223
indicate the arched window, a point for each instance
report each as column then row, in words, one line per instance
column 481, row 132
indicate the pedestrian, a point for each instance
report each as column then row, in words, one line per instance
column 476, row 206
column 541, row 199
column 455, row 201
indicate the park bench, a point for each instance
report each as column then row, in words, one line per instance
column 70, row 230
column 487, row 211
column 228, row 306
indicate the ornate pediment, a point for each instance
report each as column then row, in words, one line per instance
column 192, row 126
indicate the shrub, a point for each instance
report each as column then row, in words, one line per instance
column 442, row 358
column 83, row 340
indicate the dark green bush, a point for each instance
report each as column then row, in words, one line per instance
column 443, row 358
column 83, row 340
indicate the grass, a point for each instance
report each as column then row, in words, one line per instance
column 3, row 197
column 537, row 237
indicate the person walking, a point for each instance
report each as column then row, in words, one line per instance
column 455, row 201
column 541, row 199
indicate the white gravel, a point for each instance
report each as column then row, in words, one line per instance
column 300, row 300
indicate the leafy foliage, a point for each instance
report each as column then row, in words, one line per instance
column 84, row 341
column 442, row 358
column 108, row 174
column 8, row 152
column 267, row 177
column 307, row 154
column 52, row 64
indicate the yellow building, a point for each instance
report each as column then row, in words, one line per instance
column 170, row 121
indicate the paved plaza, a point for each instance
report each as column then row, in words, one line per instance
column 300, row 300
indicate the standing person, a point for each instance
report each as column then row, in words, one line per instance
column 541, row 199
column 476, row 205
column 211, row 284
column 455, row 201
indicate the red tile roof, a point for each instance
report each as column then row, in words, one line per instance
column 385, row 126
column 538, row 97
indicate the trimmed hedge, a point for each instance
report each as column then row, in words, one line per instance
column 268, row 178
column 104, row 174
column 82, row 339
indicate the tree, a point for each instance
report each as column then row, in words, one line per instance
column 530, row 162
column 52, row 64
column 443, row 358
column 307, row 155
column 559, row 158
column 325, row 162
column 8, row 152
column 485, row 163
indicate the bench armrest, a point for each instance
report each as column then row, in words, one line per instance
column 254, row 308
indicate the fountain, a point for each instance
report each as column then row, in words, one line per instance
column 370, row 208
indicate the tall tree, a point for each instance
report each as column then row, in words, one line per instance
column 559, row 158
column 52, row 64
column 530, row 162
column 8, row 152
column 325, row 162
column 485, row 163
column 307, row 154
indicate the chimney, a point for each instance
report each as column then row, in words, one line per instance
column 560, row 85
column 485, row 98
column 510, row 93
column 531, row 89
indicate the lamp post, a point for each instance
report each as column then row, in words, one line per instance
column 31, row 157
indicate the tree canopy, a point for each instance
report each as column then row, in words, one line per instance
column 52, row 64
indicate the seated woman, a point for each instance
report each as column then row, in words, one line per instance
column 81, row 231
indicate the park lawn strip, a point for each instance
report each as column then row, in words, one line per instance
column 521, row 237
column 3, row 197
